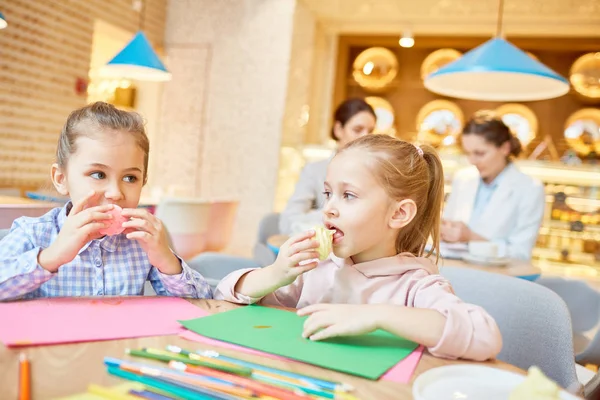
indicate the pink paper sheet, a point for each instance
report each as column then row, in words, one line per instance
column 401, row 372
column 67, row 320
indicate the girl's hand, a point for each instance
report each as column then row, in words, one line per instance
column 80, row 227
column 331, row 320
column 296, row 256
column 150, row 233
column 455, row 231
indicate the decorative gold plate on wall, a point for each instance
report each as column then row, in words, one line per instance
column 375, row 69
column 582, row 131
column 521, row 120
column 439, row 122
column 585, row 76
column 385, row 115
column 437, row 60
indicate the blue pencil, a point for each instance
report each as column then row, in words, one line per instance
column 146, row 394
column 315, row 382
column 115, row 362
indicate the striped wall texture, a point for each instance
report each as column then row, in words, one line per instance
column 43, row 52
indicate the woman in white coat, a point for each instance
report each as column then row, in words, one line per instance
column 352, row 119
column 494, row 201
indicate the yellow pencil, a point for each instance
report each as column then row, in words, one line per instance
column 108, row 393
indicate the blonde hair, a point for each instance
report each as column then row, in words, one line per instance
column 100, row 117
column 408, row 172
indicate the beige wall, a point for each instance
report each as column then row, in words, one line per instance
column 223, row 111
column 45, row 49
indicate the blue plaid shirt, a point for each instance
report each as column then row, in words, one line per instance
column 110, row 266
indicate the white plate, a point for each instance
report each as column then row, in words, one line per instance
column 486, row 261
column 469, row 382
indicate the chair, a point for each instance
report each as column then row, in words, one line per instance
column 534, row 321
column 583, row 303
column 268, row 226
column 215, row 266
column 186, row 220
column 220, row 224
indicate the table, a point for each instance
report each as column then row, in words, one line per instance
column 63, row 370
column 12, row 208
column 22, row 201
column 517, row 268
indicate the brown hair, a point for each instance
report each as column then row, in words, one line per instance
column 100, row 117
column 488, row 125
column 408, row 172
column 348, row 109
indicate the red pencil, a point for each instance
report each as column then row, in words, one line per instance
column 261, row 388
column 24, row 378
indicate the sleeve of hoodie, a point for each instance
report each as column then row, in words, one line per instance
column 470, row 332
column 286, row 296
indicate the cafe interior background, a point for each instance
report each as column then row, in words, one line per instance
column 252, row 84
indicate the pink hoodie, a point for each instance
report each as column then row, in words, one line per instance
column 403, row 280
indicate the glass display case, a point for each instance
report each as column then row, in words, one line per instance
column 569, row 239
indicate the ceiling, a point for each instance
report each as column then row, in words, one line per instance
column 477, row 17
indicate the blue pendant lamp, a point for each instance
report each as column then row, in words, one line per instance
column 497, row 71
column 3, row 23
column 137, row 60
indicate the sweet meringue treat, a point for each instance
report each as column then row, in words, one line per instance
column 536, row 387
column 116, row 223
column 325, row 238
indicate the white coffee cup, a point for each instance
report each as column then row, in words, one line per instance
column 483, row 249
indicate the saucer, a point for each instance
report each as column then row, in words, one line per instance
column 486, row 261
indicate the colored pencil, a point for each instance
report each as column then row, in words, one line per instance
column 258, row 387
column 318, row 383
column 109, row 394
column 109, row 361
column 148, row 395
column 161, row 356
column 173, row 390
column 24, row 377
column 190, row 381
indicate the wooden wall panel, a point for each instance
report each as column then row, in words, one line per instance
column 409, row 95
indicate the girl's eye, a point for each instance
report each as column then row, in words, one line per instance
column 98, row 175
column 327, row 194
column 130, row 178
column 349, row 196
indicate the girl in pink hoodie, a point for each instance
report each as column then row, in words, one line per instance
column 384, row 199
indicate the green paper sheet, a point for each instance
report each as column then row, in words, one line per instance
column 280, row 332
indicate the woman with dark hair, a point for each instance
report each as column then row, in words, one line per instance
column 494, row 201
column 352, row 119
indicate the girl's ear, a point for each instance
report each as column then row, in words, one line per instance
column 59, row 179
column 403, row 213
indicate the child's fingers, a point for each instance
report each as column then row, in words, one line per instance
column 93, row 228
column 304, row 256
column 86, row 217
column 303, row 246
column 139, row 235
column 137, row 213
column 300, row 237
column 80, row 205
column 313, row 308
column 329, row 332
column 315, row 323
column 139, row 224
column 306, row 267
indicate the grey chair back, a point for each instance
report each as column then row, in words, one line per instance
column 534, row 321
